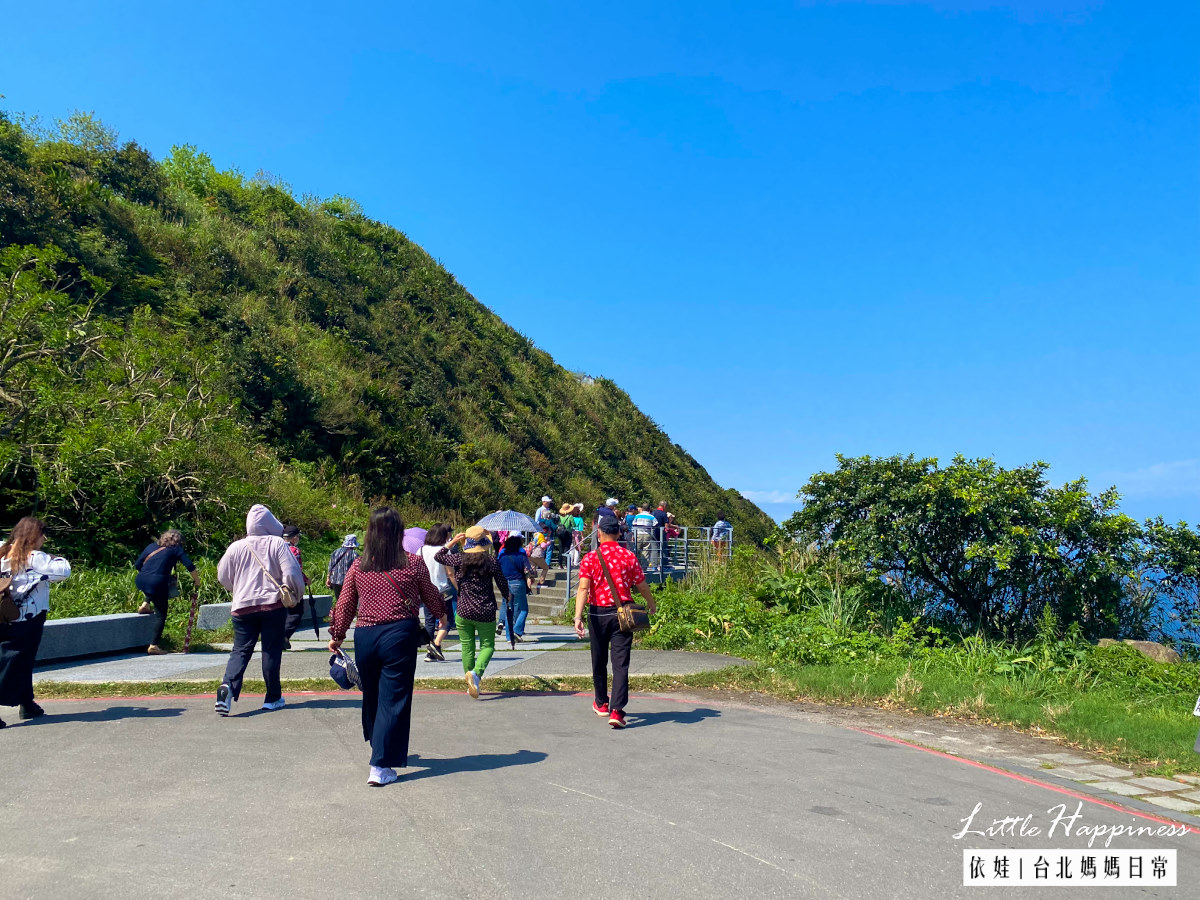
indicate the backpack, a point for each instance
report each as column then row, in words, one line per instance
column 563, row 530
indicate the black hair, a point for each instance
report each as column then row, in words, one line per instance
column 513, row 543
column 478, row 564
column 437, row 535
column 383, row 547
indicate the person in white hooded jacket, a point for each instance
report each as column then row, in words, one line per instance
column 32, row 572
column 252, row 569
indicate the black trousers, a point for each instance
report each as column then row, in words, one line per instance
column 19, row 642
column 247, row 630
column 386, row 656
column 156, row 596
column 294, row 619
column 295, row 615
column 607, row 637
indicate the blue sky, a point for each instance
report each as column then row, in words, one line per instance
column 788, row 230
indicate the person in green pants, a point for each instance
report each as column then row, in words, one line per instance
column 476, row 570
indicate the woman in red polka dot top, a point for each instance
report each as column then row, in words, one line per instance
column 385, row 588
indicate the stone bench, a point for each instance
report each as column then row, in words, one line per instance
column 91, row 635
column 217, row 615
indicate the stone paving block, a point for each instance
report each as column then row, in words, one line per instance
column 1027, row 761
column 1064, row 759
column 1073, row 774
column 1190, row 779
column 1191, row 795
column 1120, row 787
column 1106, row 771
column 1175, row 803
column 1158, row 784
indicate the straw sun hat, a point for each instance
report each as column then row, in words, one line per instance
column 478, row 540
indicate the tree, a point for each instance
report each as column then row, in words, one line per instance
column 1172, row 571
column 44, row 330
column 986, row 546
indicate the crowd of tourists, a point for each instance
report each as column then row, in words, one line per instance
column 399, row 602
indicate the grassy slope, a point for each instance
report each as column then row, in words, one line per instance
column 262, row 348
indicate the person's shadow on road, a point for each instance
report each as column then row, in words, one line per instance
column 480, row 762
column 111, row 714
column 676, row 716
column 349, row 699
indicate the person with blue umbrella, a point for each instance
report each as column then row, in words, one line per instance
column 518, row 571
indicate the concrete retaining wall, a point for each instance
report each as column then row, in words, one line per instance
column 216, row 615
column 94, row 635
column 88, row 635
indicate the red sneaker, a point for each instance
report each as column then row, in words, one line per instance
column 617, row 719
column 600, row 709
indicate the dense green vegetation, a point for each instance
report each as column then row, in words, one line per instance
column 817, row 631
column 993, row 550
column 177, row 343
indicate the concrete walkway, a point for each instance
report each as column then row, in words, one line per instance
column 309, row 658
column 513, row 796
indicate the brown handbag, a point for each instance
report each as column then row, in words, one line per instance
column 630, row 616
column 9, row 611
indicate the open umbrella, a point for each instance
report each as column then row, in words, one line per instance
column 507, row 520
column 414, row 539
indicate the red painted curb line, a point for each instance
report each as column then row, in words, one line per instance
column 346, row 694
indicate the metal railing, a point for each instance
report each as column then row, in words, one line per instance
column 662, row 558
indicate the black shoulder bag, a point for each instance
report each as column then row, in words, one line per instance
column 423, row 635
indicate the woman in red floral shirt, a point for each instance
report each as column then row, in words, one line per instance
column 385, row 588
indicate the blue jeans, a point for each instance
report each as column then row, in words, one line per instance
column 248, row 629
column 520, row 606
column 449, row 597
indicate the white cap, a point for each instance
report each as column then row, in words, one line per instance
column 547, row 500
column 611, row 501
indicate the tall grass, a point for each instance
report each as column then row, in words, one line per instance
column 818, row 635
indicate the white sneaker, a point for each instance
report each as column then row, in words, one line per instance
column 224, row 694
column 477, row 680
column 274, row 705
column 472, row 684
column 380, row 776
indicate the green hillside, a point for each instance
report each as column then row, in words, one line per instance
column 177, row 343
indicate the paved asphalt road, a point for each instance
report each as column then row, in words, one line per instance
column 511, row 796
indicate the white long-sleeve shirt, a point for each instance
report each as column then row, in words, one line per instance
column 31, row 587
